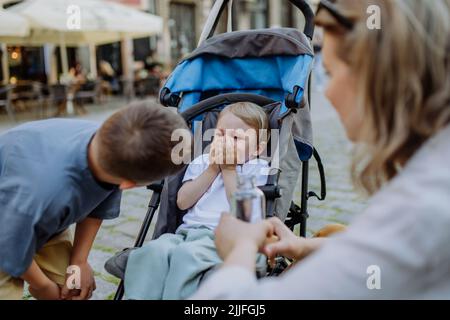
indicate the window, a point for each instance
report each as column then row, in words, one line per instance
column 182, row 30
column 259, row 14
column 287, row 14
column 153, row 7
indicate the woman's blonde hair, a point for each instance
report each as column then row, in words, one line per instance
column 403, row 74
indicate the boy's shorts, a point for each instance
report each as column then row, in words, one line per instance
column 53, row 258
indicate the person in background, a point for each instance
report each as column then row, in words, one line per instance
column 109, row 83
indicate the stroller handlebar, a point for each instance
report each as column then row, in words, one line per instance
column 308, row 13
column 225, row 98
column 220, row 5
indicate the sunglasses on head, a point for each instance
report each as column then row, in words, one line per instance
column 330, row 6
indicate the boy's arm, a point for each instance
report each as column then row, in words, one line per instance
column 85, row 234
column 193, row 190
column 40, row 286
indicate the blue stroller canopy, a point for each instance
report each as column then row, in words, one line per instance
column 269, row 62
column 274, row 77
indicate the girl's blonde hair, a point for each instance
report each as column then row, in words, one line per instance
column 252, row 114
column 403, row 80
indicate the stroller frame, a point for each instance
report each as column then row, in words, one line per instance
column 298, row 214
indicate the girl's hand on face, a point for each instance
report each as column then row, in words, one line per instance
column 234, row 151
column 240, row 148
column 227, row 154
column 217, row 148
column 215, row 154
column 231, row 233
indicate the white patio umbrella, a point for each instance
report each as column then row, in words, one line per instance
column 76, row 22
column 11, row 25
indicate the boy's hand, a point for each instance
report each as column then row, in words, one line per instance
column 87, row 284
column 40, row 286
column 85, row 233
column 49, row 291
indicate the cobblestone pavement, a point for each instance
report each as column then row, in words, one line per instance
column 341, row 203
column 339, row 207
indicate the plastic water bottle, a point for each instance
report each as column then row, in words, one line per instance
column 249, row 202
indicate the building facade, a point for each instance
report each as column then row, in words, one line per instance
column 183, row 21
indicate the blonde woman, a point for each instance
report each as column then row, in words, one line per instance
column 391, row 88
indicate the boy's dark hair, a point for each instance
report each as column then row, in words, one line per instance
column 135, row 143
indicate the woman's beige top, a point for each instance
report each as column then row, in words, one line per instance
column 399, row 247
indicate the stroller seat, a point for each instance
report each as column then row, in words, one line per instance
column 116, row 265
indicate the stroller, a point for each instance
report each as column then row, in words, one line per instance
column 269, row 67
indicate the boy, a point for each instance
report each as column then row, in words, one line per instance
column 57, row 172
column 178, row 261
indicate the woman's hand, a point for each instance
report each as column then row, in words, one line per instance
column 289, row 245
column 238, row 242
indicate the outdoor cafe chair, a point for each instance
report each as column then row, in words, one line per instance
column 5, row 100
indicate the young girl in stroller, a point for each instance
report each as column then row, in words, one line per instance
column 172, row 266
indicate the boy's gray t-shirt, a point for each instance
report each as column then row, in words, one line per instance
column 45, row 186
